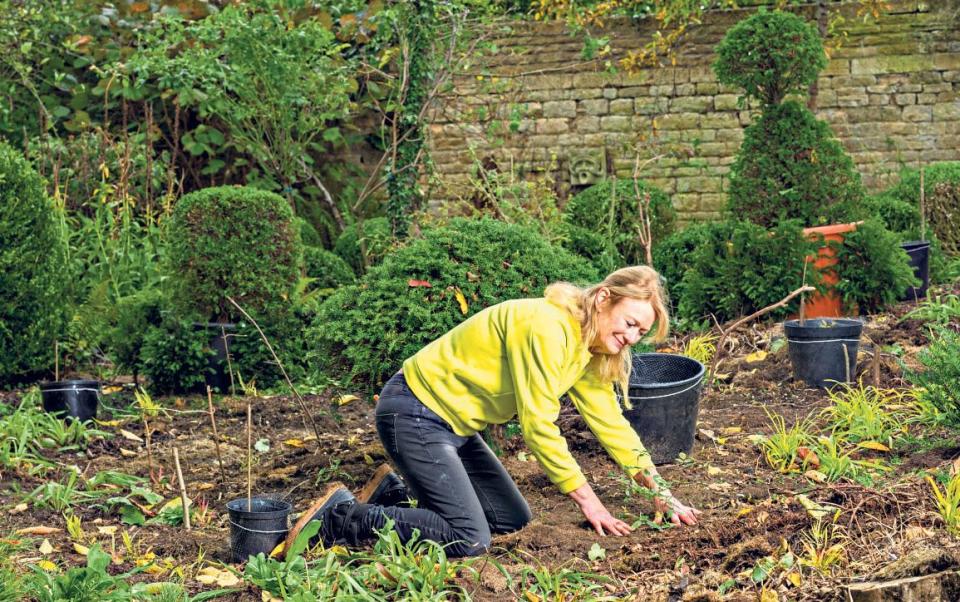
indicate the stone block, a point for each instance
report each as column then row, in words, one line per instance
column 684, row 202
column 592, row 80
column 951, row 76
column 926, row 99
column 621, row 106
column 560, row 108
column 836, row 67
column 713, row 202
column 917, row 113
column 668, row 185
column 685, row 89
column 679, row 121
column 878, row 99
column 853, row 81
column 686, row 173
column 906, row 88
column 905, row 99
column 650, row 106
column 634, row 92
column 946, row 111
column 852, row 100
column 696, row 104
column 720, row 121
column 609, row 93
column 717, row 149
column 881, row 89
column 586, row 124
column 699, row 184
column 616, row 123
column 709, row 88
column 662, row 90
column 729, row 135
column 946, row 62
column 892, row 64
column 551, row 82
column 552, row 126
column 937, row 88
column 586, row 93
column 725, row 102
column 597, row 106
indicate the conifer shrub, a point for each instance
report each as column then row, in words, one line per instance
column 790, row 166
column 233, row 241
column 377, row 237
column 33, row 279
column 615, row 218
column 423, row 289
column 873, row 269
column 738, row 267
column 941, row 185
column 327, row 269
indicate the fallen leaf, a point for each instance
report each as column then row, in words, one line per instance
column 471, row 277
column 278, row 549
column 81, row 549
column 345, row 399
column 708, row 434
column 744, row 511
column 756, row 356
column 110, row 423
column 461, row 300
column 761, row 517
column 126, row 453
column 795, row 579
column 722, row 486
column 418, row 283
column 369, row 459
column 731, row 430
column 38, row 531
column 814, row 509
column 339, row 550
column 874, row 445
column 262, row 445
column 266, row 596
column 769, row 595
column 293, row 442
column 205, row 486
column 808, row 457
column 45, row 547
column 21, row 507
column 47, row 565
column 757, row 439
column 816, row 476
column 916, row 532
column 111, row 389
column 211, row 574
column 713, row 471
column 128, row 435
column 110, row 530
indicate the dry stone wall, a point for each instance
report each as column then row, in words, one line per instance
column 540, row 110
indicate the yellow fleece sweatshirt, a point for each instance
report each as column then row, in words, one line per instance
column 518, row 358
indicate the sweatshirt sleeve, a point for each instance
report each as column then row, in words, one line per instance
column 536, row 358
column 597, row 403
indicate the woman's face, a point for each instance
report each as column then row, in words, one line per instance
column 621, row 323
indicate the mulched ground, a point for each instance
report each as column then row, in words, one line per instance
column 749, row 510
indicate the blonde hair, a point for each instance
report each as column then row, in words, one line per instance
column 635, row 282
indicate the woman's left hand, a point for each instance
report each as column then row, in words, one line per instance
column 676, row 511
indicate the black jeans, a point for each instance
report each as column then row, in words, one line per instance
column 464, row 494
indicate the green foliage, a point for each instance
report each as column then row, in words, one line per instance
column 896, row 214
column 615, row 218
column 940, row 373
column 874, row 270
column 770, row 55
column 941, row 185
column 593, row 246
column 327, row 269
column 735, row 268
column 32, row 280
column 790, row 166
column 670, row 255
column 376, row 239
column 942, row 310
column 174, row 355
column 371, row 328
column 233, row 242
column 91, row 583
column 135, row 315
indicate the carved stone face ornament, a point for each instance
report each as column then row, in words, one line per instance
column 588, row 167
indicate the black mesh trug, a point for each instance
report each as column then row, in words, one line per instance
column 663, row 370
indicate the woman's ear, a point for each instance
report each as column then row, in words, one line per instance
column 602, row 298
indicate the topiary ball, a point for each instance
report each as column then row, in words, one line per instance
column 327, row 269
column 616, row 218
column 790, row 166
column 377, row 238
column 769, row 55
column 427, row 287
column 33, row 278
column 233, row 241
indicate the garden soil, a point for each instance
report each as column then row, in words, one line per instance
column 749, row 510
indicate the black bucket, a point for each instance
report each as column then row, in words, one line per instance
column 665, row 394
column 824, row 350
column 76, row 399
column 919, row 252
column 260, row 529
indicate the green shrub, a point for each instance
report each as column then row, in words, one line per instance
column 616, row 217
column 671, row 255
column 175, row 355
column 134, row 316
column 368, row 330
column 308, row 234
column 941, row 184
column 739, row 267
column 377, row 238
column 328, row 269
column 873, row 269
column 593, row 246
column 33, row 308
column 897, row 215
column 940, row 375
column 237, row 242
column 790, row 166
column 770, row 55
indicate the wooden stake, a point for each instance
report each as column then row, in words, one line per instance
column 183, row 490
column 226, row 349
column 249, row 456
column 56, row 361
column 216, row 436
column 923, row 213
column 146, row 434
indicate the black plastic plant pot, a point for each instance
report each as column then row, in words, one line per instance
column 919, row 252
column 259, row 529
column 824, row 350
column 76, row 399
column 217, row 374
column 665, row 394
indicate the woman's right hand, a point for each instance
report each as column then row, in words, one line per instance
column 597, row 514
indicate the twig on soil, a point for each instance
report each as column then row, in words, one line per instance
column 303, row 405
column 184, row 502
column 249, row 455
column 216, row 436
column 754, row 315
